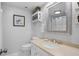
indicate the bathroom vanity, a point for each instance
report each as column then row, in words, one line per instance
column 41, row 47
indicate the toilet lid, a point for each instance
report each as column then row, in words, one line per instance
column 26, row 45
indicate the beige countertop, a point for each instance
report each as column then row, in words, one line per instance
column 62, row 50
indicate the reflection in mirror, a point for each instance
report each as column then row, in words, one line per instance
column 57, row 12
column 59, row 17
column 59, row 23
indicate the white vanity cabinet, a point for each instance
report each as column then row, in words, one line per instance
column 36, row 51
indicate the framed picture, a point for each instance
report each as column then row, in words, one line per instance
column 78, row 4
column 18, row 20
column 78, row 18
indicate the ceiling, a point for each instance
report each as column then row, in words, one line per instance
column 29, row 5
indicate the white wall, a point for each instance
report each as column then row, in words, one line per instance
column 14, row 37
column 37, row 29
column 0, row 4
column 0, row 27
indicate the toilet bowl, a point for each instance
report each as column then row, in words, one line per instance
column 26, row 45
column 25, row 49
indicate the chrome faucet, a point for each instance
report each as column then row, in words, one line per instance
column 54, row 41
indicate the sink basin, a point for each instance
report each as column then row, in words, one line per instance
column 51, row 46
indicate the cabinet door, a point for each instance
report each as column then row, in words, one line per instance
column 40, row 52
column 36, row 51
column 33, row 50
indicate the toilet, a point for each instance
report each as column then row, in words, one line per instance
column 25, row 49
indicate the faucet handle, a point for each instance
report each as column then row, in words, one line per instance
column 54, row 41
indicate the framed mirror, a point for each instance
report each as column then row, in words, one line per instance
column 60, row 18
column 58, row 21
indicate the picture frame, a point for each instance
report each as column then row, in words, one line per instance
column 18, row 20
column 78, row 4
column 78, row 18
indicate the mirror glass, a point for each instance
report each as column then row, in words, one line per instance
column 57, row 18
column 59, row 23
